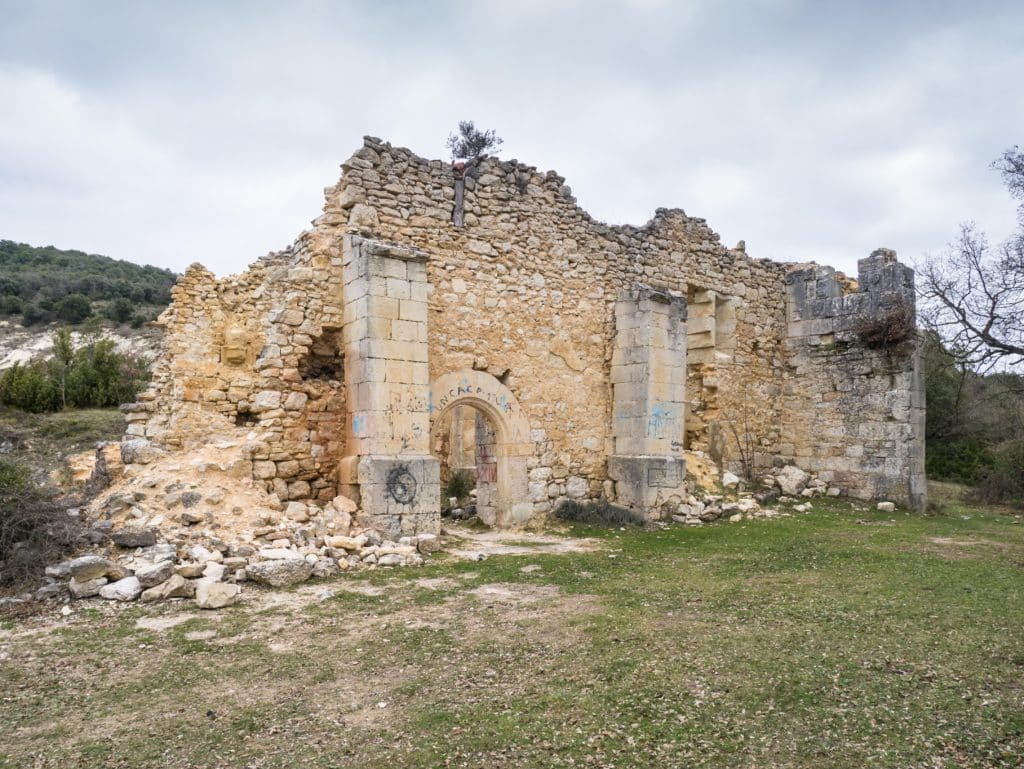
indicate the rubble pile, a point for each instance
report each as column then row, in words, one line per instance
column 192, row 526
column 789, row 486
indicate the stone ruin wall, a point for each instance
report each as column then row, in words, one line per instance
column 855, row 416
column 235, row 363
column 525, row 290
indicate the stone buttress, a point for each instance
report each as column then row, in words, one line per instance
column 388, row 467
column 648, row 376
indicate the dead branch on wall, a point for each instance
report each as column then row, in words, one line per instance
column 891, row 331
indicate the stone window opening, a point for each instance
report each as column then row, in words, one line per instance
column 245, row 418
column 324, row 361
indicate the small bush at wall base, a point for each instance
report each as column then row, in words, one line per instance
column 34, row 528
column 600, row 512
column 459, row 485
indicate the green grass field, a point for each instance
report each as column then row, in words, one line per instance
column 841, row 638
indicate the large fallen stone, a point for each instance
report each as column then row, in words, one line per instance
column 134, row 536
column 288, row 571
column 189, row 569
column 174, row 587
column 139, row 451
column 152, row 574
column 216, row 595
column 86, row 588
column 428, row 543
column 792, row 480
column 90, row 567
column 345, row 543
column 344, row 505
column 127, row 589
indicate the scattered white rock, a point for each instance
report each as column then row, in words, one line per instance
column 792, row 480
column 86, row 588
column 729, row 480
column 175, row 587
column 216, row 595
column 152, row 574
column 280, row 573
column 127, row 589
column 887, row 507
column 90, row 567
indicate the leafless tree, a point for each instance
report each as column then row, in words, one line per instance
column 973, row 293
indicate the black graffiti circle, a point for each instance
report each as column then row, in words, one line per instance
column 401, row 485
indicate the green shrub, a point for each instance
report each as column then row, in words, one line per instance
column 600, row 512
column 120, row 310
column 34, row 529
column 95, row 375
column 459, row 484
column 73, row 308
column 1004, row 482
column 31, row 315
column 139, row 320
column 11, row 305
column 29, row 388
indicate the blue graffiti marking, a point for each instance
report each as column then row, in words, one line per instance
column 661, row 415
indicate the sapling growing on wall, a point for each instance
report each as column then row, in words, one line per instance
column 470, row 143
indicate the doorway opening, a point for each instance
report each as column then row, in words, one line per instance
column 482, row 438
column 465, row 442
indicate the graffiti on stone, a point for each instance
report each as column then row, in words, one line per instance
column 401, row 484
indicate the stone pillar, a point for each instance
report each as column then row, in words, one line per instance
column 649, row 395
column 462, row 444
column 388, row 466
column 486, row 469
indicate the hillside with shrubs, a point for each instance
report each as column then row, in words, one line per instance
column 41, row 285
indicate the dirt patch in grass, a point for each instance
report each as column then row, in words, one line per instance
column 963, row 547
column 471, row 544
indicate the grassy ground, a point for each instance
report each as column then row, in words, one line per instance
column 43, row 440
column 842, row 638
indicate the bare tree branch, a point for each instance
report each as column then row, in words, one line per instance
column 972, row 294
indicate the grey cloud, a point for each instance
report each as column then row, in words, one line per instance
column 174, row 132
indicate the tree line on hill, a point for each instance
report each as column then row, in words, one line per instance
column 43, row 285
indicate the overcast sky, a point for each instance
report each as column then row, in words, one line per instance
column 175, row 132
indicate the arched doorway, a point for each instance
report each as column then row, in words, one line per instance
column 484, row 424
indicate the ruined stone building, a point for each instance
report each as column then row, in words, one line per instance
column 477, row 317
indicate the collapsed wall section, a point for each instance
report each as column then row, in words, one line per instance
column 854, row 393
column 256, row 356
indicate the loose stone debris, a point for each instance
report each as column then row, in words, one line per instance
column 186, row 527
